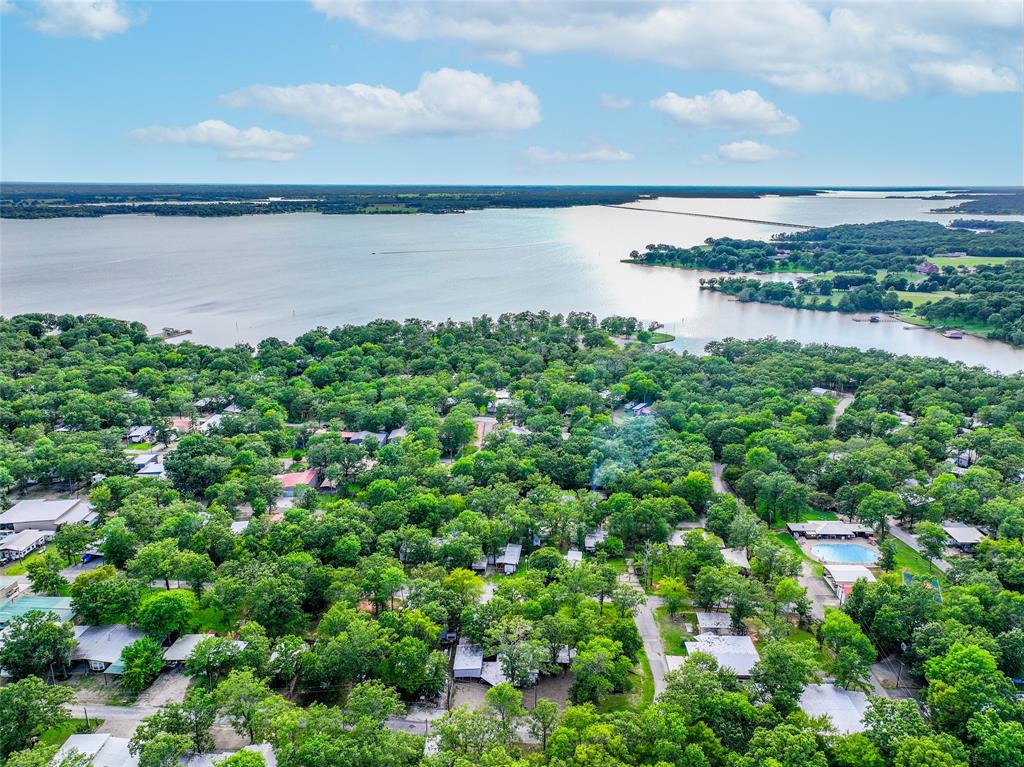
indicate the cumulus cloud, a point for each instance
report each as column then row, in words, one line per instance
column 749, row 151
column 446, row 102
column 95, row 19
column 744, row 111
column 230, row 142
column 615, row 102
column 853, row 46
column 596, row 153
column 967, row 78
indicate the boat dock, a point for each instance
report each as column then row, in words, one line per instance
column 783, row 224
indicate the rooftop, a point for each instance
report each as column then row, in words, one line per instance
column 183, row 647
column 23, row 540
column 296, row 478
column 844, row 707
column 103, row 644
column 59, row 606
column 468, row 657
column 712, row 620
column 38, row 511
column 849, row 573
column 963, row 534
column 736, row 557
column 733, row 652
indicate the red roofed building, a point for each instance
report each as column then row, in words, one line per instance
column 292, row 480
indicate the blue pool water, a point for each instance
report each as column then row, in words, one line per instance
column 845, row 553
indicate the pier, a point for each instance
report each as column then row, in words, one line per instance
column 709, row 215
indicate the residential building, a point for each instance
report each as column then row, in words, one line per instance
column 291, row 481
column 138, row 434
column 842, row 577
column 46, row 514
column 963, row 537
column 827, row 529
column 19, row 545
column 845, row 708
column 713, row 623
column 60, row 607
column 469, row 662
column 510, row 559
column 736, row 653
column 101, row 646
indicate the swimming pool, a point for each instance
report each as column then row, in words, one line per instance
column 846, row 553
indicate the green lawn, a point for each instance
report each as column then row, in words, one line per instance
column 140, row 446
column 909, row 560
column 658, row 337
column 787, row 540
column 641, row 685
column 672, row 633
column 55, row 736
column 922, row 298
column 208, row 619
column 20, row 568
column 970, row 260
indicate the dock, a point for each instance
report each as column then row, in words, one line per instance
column 783, row 224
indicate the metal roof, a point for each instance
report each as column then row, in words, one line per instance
column 733, row 652
column 59, row 606
column 103, row 644
column 38, row 511
column 844, row 707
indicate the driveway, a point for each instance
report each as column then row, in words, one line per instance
column 845, row 400
column 647, row 627
column 818, row 591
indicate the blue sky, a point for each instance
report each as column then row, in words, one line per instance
column 758, row 92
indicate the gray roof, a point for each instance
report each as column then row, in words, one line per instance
column 712, row 620
column 102, row 750
column 103, row 644
column 512, row 553
column 844, row 707
column 849, row 573
column 183, row 647
column 38, row 511
column 24, row 540
column 736, row 557
column 574, row 557
column 733, row 652
column 963, row 533
column 468, row 657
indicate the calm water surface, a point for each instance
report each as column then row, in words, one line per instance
column 242, row 279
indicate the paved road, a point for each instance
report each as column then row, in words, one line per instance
column 647, row 627
column 908, row 538
column 845, row 400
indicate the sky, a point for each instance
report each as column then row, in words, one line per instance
column 729, row 92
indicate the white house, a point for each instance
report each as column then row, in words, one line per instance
column 101, row 646
column 19, row 545
column 510, row 559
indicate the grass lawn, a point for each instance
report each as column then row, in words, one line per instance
column 20, row 568
column 641, row 684
column 909, row 560
column 55, row 736
column 801, row 637
column 922, row 298
column 787, row 540
column 970, row 260
column 658, row 337
column 212, row 619
column 647, row 686
column 672, row 633
column 140, row 446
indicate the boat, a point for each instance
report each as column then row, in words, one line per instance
column 954, row 334
column 873, row 318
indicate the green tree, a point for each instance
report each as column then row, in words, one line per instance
column 675, row 594
column 601, row 668
column 165, row 614
column 155, row 561
column 507, row 704
column 118, row 544
column 930, row 751
column 44, row 574
column 851, row 652
column 195, row 569
column 875, row 509
column 781, row 673
column 247, row 703
column 29, row 706
column 932, row 539
column 36, row 644
column 163, row 750
column 143, row 661
column 72, row 540
column 887, row 561
column 542, row 719
column 243, row 758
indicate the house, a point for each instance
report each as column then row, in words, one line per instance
column 46, row 515
column 510, row 559
column 154, row 470
column 211, row 423
column 183, row 424
column 640, row 409
column 19, row 545
column 827, row 529
column 842, row 577
column 965, row 459
column 845, row 708
column 818, row 391
column 138, row 434
column 736, row 653
column 232, row 409
column 501, row 398
column 593, row 538
column 58, row 606
column 737, row 557
column 99, row 750
column 469, row 662
column 182, row 648
column 573, row 557
column 398, row 433
column 493, row 673
column 291, row 481
column 714, row 623
column 963, row 537
column 359, row 437
column 927, row 267
column 143, row 459
column 101, row 646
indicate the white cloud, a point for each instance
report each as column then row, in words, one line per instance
column 94, row 19
column 749, row 151
column 6, row 6
column 615, row 102
column 967, row 78
column 743, row 111
column 596, row 153
column 230, row 142
column 865, row 47
column 446, row 102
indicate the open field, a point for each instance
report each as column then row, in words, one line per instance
column 970, row 260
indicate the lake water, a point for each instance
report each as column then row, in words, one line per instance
column 245, row 278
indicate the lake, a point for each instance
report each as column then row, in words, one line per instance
column 245, row 278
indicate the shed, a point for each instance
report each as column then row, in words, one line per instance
column 469, row 662
column 736, row 653
column 714, row 623
column 593, row 538
column 510, row 559
column 844, row 707
column 101, row 646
